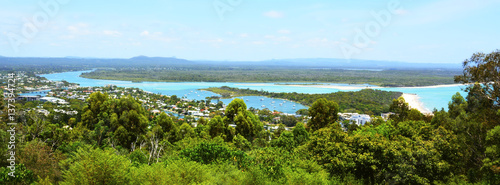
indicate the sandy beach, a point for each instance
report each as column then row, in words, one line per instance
column 414, row 102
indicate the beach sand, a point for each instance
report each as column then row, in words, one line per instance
column 414, row 102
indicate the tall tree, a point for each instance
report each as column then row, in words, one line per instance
column 232, row 109
column 482, row 74
column 323, row 112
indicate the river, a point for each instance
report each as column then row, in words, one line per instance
column 431, row 97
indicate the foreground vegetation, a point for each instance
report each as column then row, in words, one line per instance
column 117, row 141
column 392, row 78
column 366, row 101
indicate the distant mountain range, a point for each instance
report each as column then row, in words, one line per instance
column 354, row 64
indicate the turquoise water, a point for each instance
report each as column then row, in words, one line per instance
column 437, row 97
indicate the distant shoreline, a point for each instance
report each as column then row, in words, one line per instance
column 414, row 102
column 356, row 87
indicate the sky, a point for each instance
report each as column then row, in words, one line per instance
column 424, row 31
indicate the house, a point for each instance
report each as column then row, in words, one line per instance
column 359, row 119
column 53, row 100
column 386, row 116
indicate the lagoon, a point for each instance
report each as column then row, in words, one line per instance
column 431, row 97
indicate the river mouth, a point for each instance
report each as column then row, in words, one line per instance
column 431, row 97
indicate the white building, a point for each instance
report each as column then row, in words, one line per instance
column 53, row 100
column 359, row 119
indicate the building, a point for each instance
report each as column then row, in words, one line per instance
column 359, row 119
column 386, row 116
column 53, row 100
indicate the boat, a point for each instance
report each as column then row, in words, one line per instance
column 262, row 99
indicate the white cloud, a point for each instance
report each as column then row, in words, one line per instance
column 112, row 33
column 258, row 42
column 144, row 33
column 284, row 31
column 274, row 14
column 269, row 36
column 79, row 29
column 217, row 40
column 244, row 35
column 157, row 36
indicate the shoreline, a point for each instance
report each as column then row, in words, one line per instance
column 355, row 87
column 339, row 87
column 435, row 86
column 414, row 102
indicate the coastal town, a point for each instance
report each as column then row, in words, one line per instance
column 61, row 97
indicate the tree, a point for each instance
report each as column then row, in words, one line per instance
column 39, row 158
column 300, row 134
column 186, row 131
column 323, row 112
column 401, row 110
column 236, row 106
column 93, row 109
column 241, row 143
column 96, row 166
column 482, row 74
column 216, row 127
column 285, row 140
column 244, row 126
column 491, row 165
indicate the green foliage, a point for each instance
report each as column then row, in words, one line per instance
column 411, row 153
column 116, row 141
column 186, row 131
column 300, row 134
column 400, row 108
column 242, row 143
column 138, row 157
column 285, row 140
column 234, row 108
column 96, row 166
column 123, row 119
column 323, row 113
column 275, row 74
column 481, row 72
column 216, row 127
column 22, row 175
column 492, row 161
column 176, row 172
column 209, row 153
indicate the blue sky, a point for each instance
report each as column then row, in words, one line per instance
column 423, row 31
